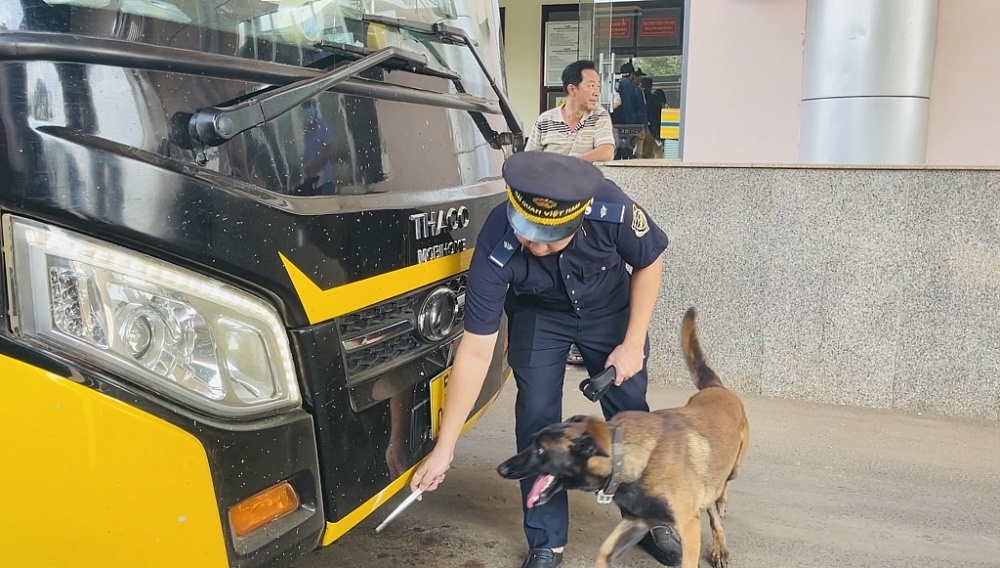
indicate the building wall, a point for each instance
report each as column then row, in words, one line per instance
column 743, row 76
column 837, row 285
column 964, row 122
column 744, row 93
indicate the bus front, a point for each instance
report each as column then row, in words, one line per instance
column 234, row 238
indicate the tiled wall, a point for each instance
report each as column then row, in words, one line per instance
column 871, row 287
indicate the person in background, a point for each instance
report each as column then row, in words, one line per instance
column 553, row 258
column 647, row 143
column 632, row 111
column 655, row 101
column 580, row 127
column 630, row 117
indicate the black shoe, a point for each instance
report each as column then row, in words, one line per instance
column 663, row 544
column 542, row 558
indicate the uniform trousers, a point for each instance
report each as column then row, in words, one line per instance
column 539, row 340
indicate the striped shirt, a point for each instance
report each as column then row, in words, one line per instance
column 552, row 134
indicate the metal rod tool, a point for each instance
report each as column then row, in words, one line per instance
column 402, row 507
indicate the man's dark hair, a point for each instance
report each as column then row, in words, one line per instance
column 573, row 73
column 646, row 82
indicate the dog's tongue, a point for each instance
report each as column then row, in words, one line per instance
column 541, row 482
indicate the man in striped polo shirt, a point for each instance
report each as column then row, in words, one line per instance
column 580, row 127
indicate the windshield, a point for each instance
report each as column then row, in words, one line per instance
column 196, row 54
column 295, row 32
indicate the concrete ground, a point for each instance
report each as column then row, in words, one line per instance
column 822, row 486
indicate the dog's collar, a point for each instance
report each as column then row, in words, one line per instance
column 607, row 493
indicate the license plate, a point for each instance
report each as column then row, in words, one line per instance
column 439, row 385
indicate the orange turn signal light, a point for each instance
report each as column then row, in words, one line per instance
column 254, row 512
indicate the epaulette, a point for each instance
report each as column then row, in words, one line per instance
column 607, row 212
column 505, row 249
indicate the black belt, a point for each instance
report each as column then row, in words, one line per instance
column 538, row 302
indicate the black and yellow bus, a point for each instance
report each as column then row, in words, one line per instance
column 234, row 243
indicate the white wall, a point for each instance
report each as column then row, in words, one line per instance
column 744, row 80
column 964, row 122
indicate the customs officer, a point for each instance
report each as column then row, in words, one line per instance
column 570, row 258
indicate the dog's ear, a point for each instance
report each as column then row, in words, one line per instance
column 586, row 446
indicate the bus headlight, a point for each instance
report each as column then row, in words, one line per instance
column 197, row 340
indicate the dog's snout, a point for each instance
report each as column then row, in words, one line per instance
column 514, row 467
column 509, row 470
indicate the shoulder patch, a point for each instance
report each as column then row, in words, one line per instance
column 607, row 212
column 505, row 249
column 640, row 225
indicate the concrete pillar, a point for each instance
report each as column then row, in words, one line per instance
column 866, row 81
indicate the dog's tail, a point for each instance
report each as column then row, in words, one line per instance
column 702, row 374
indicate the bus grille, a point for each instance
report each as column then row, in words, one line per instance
column 384, row 336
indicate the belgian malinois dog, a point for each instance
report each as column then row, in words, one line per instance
column 663, row 468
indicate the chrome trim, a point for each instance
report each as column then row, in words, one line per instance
column 384, row 337
column 398, row 328
column 436, row 325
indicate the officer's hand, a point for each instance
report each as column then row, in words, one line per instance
column 627, row 360
column 430, row 474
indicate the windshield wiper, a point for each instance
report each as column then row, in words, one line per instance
column 356, row 53
column 213, row 126
column 457, row 36
column 216, row 125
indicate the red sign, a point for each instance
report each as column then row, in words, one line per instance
column 621, row 28
column 658, row 27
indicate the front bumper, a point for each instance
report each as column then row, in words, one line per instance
column 99, row 475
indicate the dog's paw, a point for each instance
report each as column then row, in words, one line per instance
column 720, row 558
column 721, row 507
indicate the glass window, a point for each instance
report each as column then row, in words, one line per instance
column 333, row 144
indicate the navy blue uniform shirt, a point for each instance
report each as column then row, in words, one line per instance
column 587, row 276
